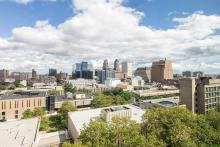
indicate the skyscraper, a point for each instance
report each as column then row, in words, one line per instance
column 34, row 73
column 105, row 64
column 83, row 70
column 161, row 70
column 116, row 65
column 52, row 72
column 126, row 68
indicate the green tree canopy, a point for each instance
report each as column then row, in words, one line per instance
column 38, row 112
column 27, row 114
column 54, row 92
column 63, row 111
column 121, row 132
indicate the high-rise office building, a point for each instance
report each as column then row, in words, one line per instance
column 200, row 95
column 126, row 68
column 83, row 70
column 3, row 74
column 161, row 70
column 105, row 75
column 144, row 72
column 34, row 73
column 105, row 64
column 117, row 65
column 52, row 72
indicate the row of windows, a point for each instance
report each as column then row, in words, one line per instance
column 18, row 103
column 4, row 113
column 210, row 106
column 210, row 89
column 212, row 100
column 208, row 95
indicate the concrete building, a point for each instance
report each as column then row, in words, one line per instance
column 126, row 68
column 3, row 74
column 161, row 70
column 112, row 83
column 187, row 74
column 12, row 105
column 188, row 92
column 19, row 133
column 200, row 95
column 117, row 65
column 77, row 120
column 137, row 81
column 144, row 72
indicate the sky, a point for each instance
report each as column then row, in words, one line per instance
column 43, row 34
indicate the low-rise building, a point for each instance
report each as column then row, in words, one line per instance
column 77, row 120
column 12, row 105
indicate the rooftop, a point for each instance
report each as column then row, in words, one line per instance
column 20, row 95
column 79, row 118
column 116, row 108
column 19, row 133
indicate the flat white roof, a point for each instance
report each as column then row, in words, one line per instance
column 19, row 133
column 81, row 118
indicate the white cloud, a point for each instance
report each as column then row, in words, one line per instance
column 29, row 1
column 23, row 1
column 107, row 29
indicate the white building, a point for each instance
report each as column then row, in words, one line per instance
column 19, row 133
column 137, row 81
column 112, row 83
column 126, row 68
column 77, row 120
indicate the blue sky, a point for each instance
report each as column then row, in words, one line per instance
column 158, row 13
column 57, row 33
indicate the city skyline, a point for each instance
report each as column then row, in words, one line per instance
column 66, row 32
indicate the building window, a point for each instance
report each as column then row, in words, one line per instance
column 16, row 111
column 10, row 104
column 22, row 103
column 16, row 116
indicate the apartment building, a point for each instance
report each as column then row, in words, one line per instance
column 200, row 95
column 12, row 105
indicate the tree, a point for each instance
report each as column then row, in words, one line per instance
column 96, row 134
column 17, row 83
column 101, row 100
column 54, row 92
column 69, row 88
column 121, row 132
column 44, row 123
column 75, row 144
column 125, row 132
column 118, row 100
column 38, row 112
column 63, row 111
column 172, row 125
column 27, row 114
column 180, row 127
